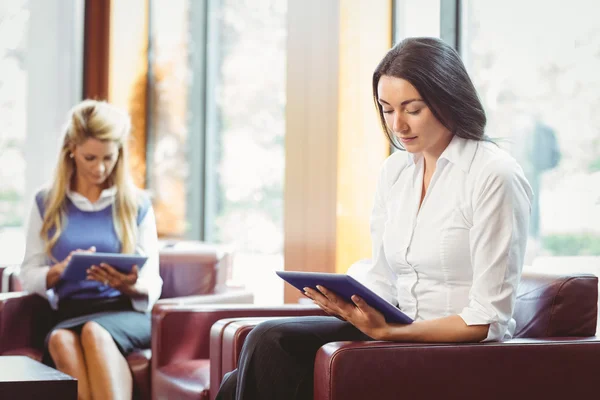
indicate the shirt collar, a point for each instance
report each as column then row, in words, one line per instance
column 460, row 152
column 108, row 193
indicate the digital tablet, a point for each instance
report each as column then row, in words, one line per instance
column 345, row 286
column 77, row 268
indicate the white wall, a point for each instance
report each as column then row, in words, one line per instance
column 54, row 78
column 54, row 61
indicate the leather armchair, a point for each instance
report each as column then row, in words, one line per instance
column 186, row 353
column 192, row 272
column 554, row 354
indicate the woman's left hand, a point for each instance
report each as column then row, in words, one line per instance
column 370, row 321
column 109, row 276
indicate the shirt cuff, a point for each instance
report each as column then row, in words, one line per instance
column 140, row 303
column 476, row 314
column 52, row 298
column 38, row 282
column 145, row 301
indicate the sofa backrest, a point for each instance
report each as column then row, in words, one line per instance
column 9, row 278
column 556, row 305
column 192, row 268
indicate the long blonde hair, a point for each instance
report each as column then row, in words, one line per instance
column 105, row 122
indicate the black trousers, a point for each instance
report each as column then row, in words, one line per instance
column 277, row 360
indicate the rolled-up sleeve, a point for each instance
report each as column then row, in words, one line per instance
column 498, row 237
column 149, row 280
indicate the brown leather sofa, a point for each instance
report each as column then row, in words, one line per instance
column 193, row 273
column 554, row 354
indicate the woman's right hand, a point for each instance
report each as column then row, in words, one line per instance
column 57, row 269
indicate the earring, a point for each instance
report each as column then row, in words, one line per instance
column 71, row 155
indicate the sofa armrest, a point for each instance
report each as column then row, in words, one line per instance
column 233, row 335
column 227, row 338
column 181, row 332
column 12, row 295
column 556, row 369
column 24, row 321
column 218, row 350
column 233, row 296
column 33, row 353
column 7, row 274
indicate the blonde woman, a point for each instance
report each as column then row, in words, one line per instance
column 93, row 205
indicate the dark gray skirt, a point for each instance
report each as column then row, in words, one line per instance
column 129, row 329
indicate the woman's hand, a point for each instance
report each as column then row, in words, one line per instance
column 109, row 276
column 55, row 272
column 364, row 317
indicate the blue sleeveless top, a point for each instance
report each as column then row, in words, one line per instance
column 81, row 230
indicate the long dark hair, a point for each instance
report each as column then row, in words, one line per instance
column 435, row 69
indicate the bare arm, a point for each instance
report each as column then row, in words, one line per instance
column 447, row 329
column 373, row 324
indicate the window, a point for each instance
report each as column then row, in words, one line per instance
column 14, row 22
column 535, row 67
column 416, row 18
column 38, row 39
column 245, row 134
column 170, row 115
column 217, row 126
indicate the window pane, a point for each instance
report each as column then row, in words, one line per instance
column 170, row 79
column 246, row 126
column 536, row 70
column 14, row 21
column 416, row 18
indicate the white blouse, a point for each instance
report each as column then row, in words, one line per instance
column 462, row 252
column 35, row 268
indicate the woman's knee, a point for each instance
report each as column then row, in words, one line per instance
column 93, row 335
column 272, row 332
column 265, row 331
column 62, row 342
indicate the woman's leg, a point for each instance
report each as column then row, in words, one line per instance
column 277, row 361
column 108, row 371
column 65, row 349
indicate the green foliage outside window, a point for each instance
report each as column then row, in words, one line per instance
column 582, row 244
